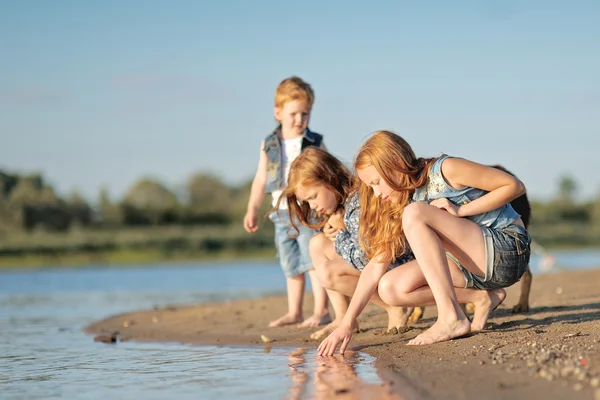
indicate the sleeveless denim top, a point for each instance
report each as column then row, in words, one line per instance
column 273, row 149
column 437, row 188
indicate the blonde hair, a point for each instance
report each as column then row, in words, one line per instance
column 294, row 88
column 381, row 234
column 315, row 167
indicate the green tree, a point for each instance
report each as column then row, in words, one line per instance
column 110, row 214
column 149, row 201
column 206, row 192
column 567, row 189
column 150, row 194
column 25, row 192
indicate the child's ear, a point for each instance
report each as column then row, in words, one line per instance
column 277, row 113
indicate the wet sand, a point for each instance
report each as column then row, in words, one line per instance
column 551, row 352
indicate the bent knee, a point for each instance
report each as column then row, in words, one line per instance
column 316, row 245
column 393, row 291
column 387, row 291
column 414, row 213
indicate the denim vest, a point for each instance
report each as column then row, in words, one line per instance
column 273, row 149
column 437, row 188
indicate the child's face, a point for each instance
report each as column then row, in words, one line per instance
column 293, row 116
column 371, row 178
column 319, row 198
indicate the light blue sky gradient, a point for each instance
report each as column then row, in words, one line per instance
column 103, row 93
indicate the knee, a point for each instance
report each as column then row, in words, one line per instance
column 316, row 246
column 393, row 291
column 414, row 214
column 387, row 291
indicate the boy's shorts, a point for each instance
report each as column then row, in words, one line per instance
column 292, row 252
column 507, row 257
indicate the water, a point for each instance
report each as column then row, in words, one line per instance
column 44, row 354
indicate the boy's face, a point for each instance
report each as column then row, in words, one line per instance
column 293, row 116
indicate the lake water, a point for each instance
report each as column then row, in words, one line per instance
column 44, row 354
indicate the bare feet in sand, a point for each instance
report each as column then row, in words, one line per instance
column 442, row 331
column 323, row 333
column 484, row 306
column 398, row 317
column 287, row 319
column 316, row 320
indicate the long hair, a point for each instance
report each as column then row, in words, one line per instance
column 381, row 233
column 315, row 167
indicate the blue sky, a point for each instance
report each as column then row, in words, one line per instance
column 103, row 93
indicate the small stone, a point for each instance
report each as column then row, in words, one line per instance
column 559, row 290
column 154, row 319
column 595, row 382
column 578, row 387
column 106, row 339
column 265, row 339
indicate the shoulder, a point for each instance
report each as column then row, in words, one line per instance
column 452, row 166
column 271, row 140
column 314, row 137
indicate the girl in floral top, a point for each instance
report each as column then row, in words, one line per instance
column 321, row 194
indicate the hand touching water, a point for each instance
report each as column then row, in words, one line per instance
column 342, row 334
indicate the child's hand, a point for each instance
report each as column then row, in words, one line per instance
column 447, row 205
column 337, row 220
column 250, row 221
column 330, row 232
column 342, row 334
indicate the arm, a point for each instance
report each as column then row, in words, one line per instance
column 257, row 192
column 367, row 284
column 502, row 187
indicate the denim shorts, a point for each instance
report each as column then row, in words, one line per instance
column 292, row 252
column 507, row 257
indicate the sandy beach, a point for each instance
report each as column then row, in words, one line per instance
column 551, row 352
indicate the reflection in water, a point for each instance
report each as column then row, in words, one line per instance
column 333, row 377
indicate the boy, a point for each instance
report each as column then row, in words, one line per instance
column 293, row 103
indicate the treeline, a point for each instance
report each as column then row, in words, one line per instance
column 28, row 203
column 202, row 217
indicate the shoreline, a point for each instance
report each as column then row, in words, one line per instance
column 551, row 352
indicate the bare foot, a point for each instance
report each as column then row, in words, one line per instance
column 287, row 319
column 398, row 317
column 484, row 306
column 416, row 315
column 317, row 319
column 442, row 331
column 322, row 333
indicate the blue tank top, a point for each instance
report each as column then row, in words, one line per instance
column 437, row 188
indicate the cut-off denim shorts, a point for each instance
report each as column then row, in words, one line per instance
column 507, row 257
column 292, row 248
